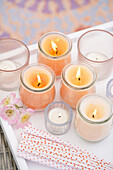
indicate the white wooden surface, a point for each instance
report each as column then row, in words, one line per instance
column 103, row 149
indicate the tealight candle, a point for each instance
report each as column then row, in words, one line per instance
column 96, row 56
column 55, row 49
column 94, row 117
column 95, row 48
column 77, row 80
column 37, row 86
column 7, row 65
column 58, row 117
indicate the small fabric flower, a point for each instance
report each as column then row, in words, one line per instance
column 9, row 100
column 9, row 113
column 24, row 118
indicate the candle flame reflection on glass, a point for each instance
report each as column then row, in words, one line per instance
column 54, row 46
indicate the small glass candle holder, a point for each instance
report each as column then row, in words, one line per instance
column 77, row 80
column 14, row 57
column 37, row 88
column 58, row 117
column 109, row 90
column 55, row 51
column 95, row 48
column 93, row 120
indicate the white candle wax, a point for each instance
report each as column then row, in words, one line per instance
column 94, row 56
column 58, row 115
column 91, row 128
column 7, row 65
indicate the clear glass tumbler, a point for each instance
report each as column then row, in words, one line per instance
column 14, row 56
column 96, row 48
column 58, row 117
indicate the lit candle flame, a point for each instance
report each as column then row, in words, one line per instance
column 54, row 46
column 39, row 80
column 78, row 74
column 94, row 113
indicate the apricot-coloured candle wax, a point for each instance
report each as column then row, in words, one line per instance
column 37, row 86
column 37, row 78
column 79, row 75
column 55, row 51
column 55, row 45
column 77, row 80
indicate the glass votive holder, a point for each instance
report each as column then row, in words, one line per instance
column 55, row 51
column 93, row 120
column 58, row 117
column 109, row 90
column 96, row 48
column 37, row 86
column 14, row 56
column 77, row 80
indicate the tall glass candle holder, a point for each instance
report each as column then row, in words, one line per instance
column 77, row 80
column 95, row 47
column 14, row 57
column 93, row 120
column 37, row 88
column 58, row 117
column 55, row 51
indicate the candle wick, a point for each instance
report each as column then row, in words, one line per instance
column 79, row 78
column 56, row 50
column 93, row 116
column 59, row 116
column 39, row 84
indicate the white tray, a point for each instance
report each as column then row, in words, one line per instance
column 103, row 149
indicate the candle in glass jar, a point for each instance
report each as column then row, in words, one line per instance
column 94, row 117
column 95, row 48
column 55, row 51
column 58, row 117
column 77, row 80
column 37, row 86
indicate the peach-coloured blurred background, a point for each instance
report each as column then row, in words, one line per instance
column 27, row 20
